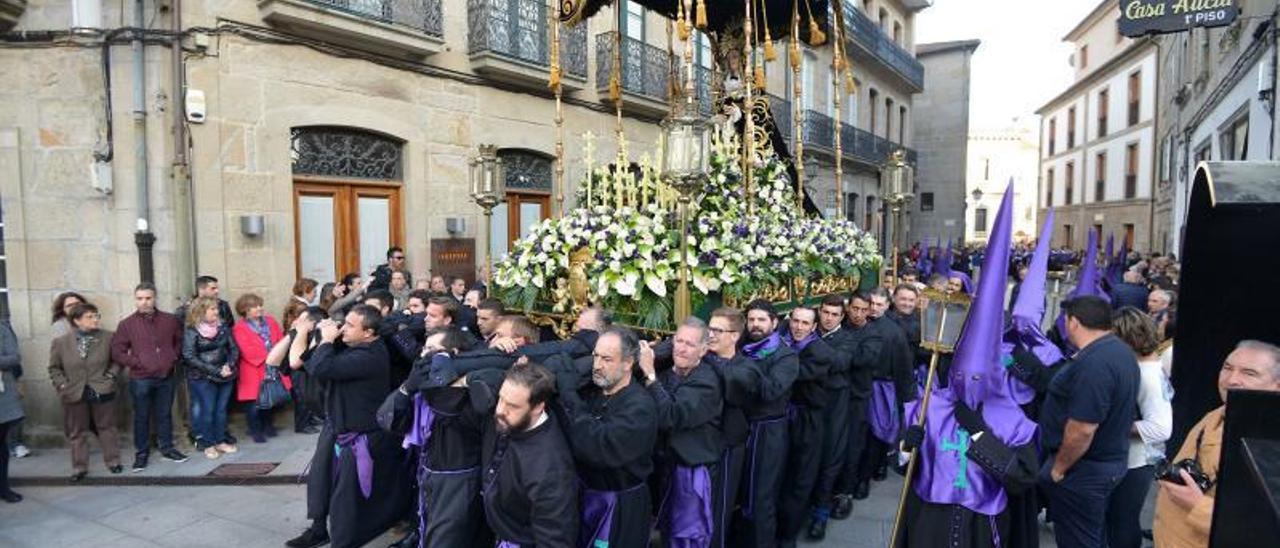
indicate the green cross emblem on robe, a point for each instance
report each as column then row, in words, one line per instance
column 960, row 446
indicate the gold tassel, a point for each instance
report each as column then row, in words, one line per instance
column 615, row 88
column 554, row 81
column 682, row 27
column 795, row 54
column 702, row 14
column 850, row 87
column 816, row 36
column 769, row 53
column 759, row 77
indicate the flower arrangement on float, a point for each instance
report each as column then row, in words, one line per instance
column 627, row 222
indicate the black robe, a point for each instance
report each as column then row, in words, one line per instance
column 612, row 439
column 805, row 427
column 740, row 378
column 689, row 412
column 766, row 453
column 529, row 486
column 581, row 344
column 357, row 379
column 450, row 509
column 866, row 344
column 835, row 416
column 929, row 525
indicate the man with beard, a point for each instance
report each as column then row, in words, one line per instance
column 355, row 478
column 446, row 430
column 837, row 414
column 612, row 427
column 689, row 404
column 767, row 417
column 805, row 425
column 529, row 486
column 740, row 378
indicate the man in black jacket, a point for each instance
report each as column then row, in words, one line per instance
column 869, row 364
column 740, row 377
column 689, row 403
column 767, row 442
column 837, row 414
column 805, row 421
column 612, row 425
column 355, row 480
column 380, row 278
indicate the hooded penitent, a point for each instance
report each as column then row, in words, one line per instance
column 1088, row 284
column 977, row 378
column 942, row 261
column 1028, row 312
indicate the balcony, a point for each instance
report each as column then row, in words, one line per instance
column 872, row 43
column 781, row 110
column 818, row 132
column 10, row 11
column 645, row 74
column 409, row 28
column 510, row 40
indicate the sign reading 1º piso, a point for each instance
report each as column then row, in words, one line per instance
column 1141, row 17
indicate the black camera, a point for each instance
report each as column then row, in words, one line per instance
column 1172, row 473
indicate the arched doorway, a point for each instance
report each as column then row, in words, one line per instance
column 528, row 200
column 346, row 199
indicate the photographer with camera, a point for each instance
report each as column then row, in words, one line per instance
column 1184, row 505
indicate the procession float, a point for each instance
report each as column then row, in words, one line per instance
column 717, row 214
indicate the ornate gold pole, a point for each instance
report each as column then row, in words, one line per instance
column 748, row 107
column 838, row 64
column 797, row 102
column 556, row 74
column 615, row 76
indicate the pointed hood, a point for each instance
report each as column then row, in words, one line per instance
column 922, row 263
column 1089, row 283
column 942, row 260
column 976, row 370
column 1028, row 311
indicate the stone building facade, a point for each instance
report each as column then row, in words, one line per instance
column 997, row 157
column 325, row 130
column 942, row 129
column 1097, row 138
column 1217, row 88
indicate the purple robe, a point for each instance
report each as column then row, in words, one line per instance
column 686, row 518
column 597, row 517
column 944, row 474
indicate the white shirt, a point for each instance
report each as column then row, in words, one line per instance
column 1154, row 394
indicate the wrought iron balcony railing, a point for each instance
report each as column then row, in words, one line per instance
column 519, row 30
column 645, row 69
column 872, row 38
column 819, row 130
column 421, row 15
column 781, row 110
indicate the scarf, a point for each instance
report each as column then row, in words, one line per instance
column 85, row 339
column 799, row 345
column 761, row 349
column 263, row 330
column 207, row 330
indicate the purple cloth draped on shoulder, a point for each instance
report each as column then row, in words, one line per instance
column 800, row 344
column 359, row 443
column 686, row 518
column 420, row 431
column 882, row 414
column 506, row 544
column 945, row 475
column 597, row 517
column 763, row 348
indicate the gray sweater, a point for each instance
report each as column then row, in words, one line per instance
column 10, row 361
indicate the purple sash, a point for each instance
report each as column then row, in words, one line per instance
column 420, row 431
column 359, row 443
column 686, row 517
column 597, row 516
column 882, row 413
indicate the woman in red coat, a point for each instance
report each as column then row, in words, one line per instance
column 255, row 336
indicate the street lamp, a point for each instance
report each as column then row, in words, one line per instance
column 977, row 201
column 897, row 189
column 488, row 187
column 686, row 160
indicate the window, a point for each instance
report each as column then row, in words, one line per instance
column 346, row 199
column 874, row 99
column 851, row 112
column 1135, row 97
column 1071, row 128
column 897, row 33
column 1104, row 103
column 807, row 80
column 1053, row 135
column 1131, row 171
column 1234, row 140
column 1071, row 183
column 1068, row 237
column 926, row 201
column 1204, row 152
column 902, row 125
column 1097, row 229
column 980, row 219
column 884, row 20
column 1164, row 157
column 851, row 207
column 1128, row 236
column 830, row 103
column 888, row 118
column 1100, row 177
column 870, row 211
column 1048, row 183
column 633, row 20
column 704, row 51
column 866, row 7
column 1084, row 57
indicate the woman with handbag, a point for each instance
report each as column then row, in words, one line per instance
column 260, row 388
column 211, row 359
column 82, row 372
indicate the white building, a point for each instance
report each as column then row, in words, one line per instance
column 998, row 156
column 1097, row 137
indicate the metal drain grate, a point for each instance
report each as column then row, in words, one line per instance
column 243, row 469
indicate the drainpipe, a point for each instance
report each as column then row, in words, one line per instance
column 143, row 238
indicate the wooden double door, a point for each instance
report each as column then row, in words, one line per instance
column 342, row 227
